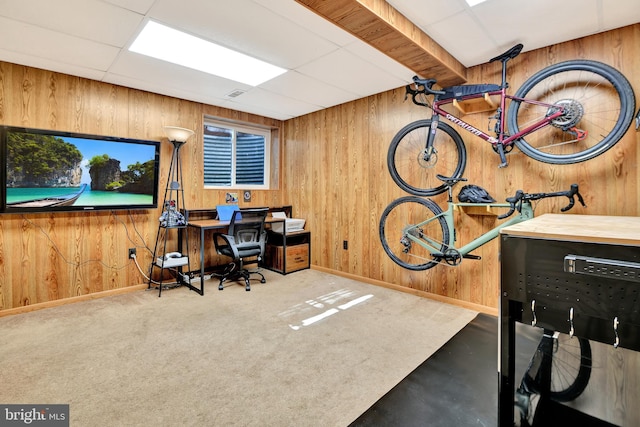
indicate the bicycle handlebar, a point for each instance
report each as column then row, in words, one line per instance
column 423, row 86
column 515, row 202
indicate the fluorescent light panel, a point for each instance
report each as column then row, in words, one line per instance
column 167, row 44
column 472, row 3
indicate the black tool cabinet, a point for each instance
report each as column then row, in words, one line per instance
column 567, row 273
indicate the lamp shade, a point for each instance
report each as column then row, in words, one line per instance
column 176, row 134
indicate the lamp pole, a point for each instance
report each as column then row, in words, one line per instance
column 171, row 217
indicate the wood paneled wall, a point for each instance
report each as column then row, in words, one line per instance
column 336, row 176
column 333, row 172
column 45, row 258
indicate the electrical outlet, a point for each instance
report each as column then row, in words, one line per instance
column 345, row 244
column 132, row 252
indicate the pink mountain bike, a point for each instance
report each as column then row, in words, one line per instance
column 566, row 113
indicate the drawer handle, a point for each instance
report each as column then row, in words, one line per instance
column 616, row 343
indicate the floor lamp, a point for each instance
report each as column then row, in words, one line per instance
column 171, row 217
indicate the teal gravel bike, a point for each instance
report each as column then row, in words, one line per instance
column 417, row 234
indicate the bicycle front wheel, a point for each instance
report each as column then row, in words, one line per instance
column 412, row 230
column 414, row 168
column 570, row 366
column 598, row 105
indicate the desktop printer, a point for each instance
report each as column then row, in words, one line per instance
column 290, row 224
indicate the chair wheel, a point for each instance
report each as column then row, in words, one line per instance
column 263, row 281
column 247, row 288
column 220, row 287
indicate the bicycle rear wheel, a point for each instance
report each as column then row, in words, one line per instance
column 410, row 218
column 414, row 170
column 570, row 366
column 599, row 104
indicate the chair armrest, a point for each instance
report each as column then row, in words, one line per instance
column 225, row 242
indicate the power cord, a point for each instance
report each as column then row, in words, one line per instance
column 150, row 280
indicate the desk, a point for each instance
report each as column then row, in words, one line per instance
column 581, row 272
column 202, row 220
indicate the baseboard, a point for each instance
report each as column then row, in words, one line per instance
column 465, row 304
column 72, row 300
column 469, row 305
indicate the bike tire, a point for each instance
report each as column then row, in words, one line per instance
column 398, row 219
column 570, row 368
column 599, row 100
column 406, row 158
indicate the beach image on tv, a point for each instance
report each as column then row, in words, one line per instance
column 45, row 171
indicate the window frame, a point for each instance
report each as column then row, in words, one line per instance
column 266, row 133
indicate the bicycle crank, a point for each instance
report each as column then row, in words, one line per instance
column 452, row 257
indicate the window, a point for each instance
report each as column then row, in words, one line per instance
column 236, row 156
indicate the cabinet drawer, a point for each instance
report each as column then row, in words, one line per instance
column 296, row 257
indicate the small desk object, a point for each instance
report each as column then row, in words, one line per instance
column 575, row 274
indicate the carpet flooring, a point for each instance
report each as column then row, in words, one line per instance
column 305, row 349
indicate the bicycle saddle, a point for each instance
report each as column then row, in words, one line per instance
column 510, row 54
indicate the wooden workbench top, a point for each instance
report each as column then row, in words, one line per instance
column 623, row 230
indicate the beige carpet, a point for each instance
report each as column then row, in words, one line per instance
column 305, row 349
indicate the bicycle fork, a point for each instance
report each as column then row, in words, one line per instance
column 429, row 150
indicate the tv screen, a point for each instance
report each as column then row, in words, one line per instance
column 60, row 171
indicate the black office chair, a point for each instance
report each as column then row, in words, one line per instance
column 245, row 238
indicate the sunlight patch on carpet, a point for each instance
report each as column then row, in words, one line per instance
column 311, row 306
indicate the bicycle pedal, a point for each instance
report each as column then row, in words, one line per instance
column 470, row 256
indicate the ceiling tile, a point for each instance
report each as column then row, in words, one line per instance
column 154, row 73
column 268, row 100
column 478, row 46
column 305, row 18
column 379, row 60
column 350, row 73
column 546, row 21
column 16, row 57
column 254, row 30
column 62, row 48
column 88, row 19
column 422, row 14
column 138, row 6
column 616, row 13
column 304, row 88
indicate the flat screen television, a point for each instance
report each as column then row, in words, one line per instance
column 44, row 170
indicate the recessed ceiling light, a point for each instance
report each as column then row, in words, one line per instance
column 167, row 44
column 472, row 3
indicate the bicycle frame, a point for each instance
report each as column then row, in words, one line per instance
column 501, row 138
column 526, row 213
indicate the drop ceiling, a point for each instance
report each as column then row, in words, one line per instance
column 326, row 65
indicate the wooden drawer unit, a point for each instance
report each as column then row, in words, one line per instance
column 296, row 258
column 286, row 253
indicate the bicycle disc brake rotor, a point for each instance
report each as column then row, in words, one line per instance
column 573, row 112
column 428, row 159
